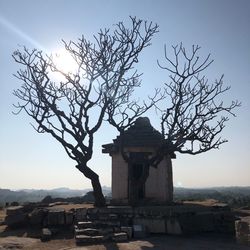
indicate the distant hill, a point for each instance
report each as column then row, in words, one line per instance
column 235, row 196
column 34, row 195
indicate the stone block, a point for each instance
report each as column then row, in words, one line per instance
column 37, row 215
column 204, row 222
column 153, row 225
column 93, row 213
column 14, row 210
column 106, row 230
column 84, row 224
column 243, row 239
column 80, row 214
column 128, row 231
column 242, row 227
column 113, row 223
column 113, row 216
column 173, row 227
column 102, row 217
column 56, row 217
column 85, row 239
column 69, row 218
column 139, row 231
column 118, row 210
column 90, row 231
column 46, row 234
column 16, row 220
column 119, row 237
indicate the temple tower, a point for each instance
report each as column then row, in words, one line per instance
column 133, row 180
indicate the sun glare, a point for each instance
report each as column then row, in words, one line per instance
column 64, row 61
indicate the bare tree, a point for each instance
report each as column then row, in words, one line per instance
column 195, row 115
column 73, row 110
column 192, row 113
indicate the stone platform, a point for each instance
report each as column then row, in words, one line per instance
column 119, row 223
column 173, row 219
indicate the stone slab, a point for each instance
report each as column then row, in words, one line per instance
column 16, row 220
column 84, row 224
column 139, row 231
column 128, row 231
column 14, row 210
column 85, row 239
column 119, row 237
column 153, row 225
column 69, row 218
column 56, row 217
column 46, row 234
column 173, row 227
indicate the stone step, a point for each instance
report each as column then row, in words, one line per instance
column 87, row 239
column 93, row 231
column 98, row 224
column 119, row 237
column 85, row 224
column 87, row 231
column 84, row 239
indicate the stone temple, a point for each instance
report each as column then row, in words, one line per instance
column 133, row 180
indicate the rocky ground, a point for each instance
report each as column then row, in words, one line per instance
column 160, row 242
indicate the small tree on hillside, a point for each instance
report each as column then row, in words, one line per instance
column 73, row 110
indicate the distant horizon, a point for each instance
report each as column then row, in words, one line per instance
column 185, row 187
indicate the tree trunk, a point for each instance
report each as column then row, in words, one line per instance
column 97, row 189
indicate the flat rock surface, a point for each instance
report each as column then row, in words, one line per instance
column 13, row 242
column 152, row 243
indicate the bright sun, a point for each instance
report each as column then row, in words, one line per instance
column 64, row 61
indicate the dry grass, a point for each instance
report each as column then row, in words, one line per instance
column 73, row 206
column 208, row 202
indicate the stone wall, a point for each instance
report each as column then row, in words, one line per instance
column 175, row 219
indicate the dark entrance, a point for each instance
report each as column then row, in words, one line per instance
column 138, row 172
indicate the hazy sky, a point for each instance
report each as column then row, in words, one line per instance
column 222, row 27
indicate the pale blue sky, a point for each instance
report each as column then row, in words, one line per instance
column 222, row 27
